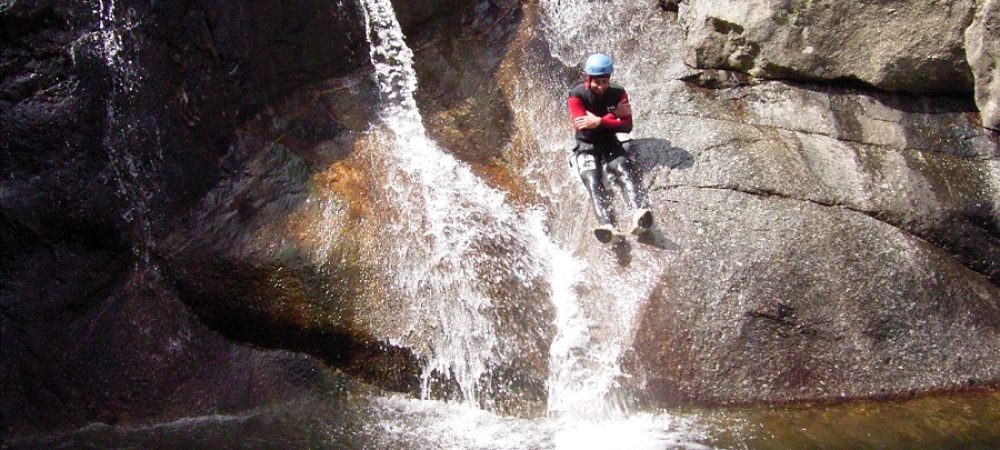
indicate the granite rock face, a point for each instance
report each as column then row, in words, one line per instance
column 981, row 40
column 190, row 135
column 314, row 170
column 789, row 301
column 802, row 228
column 907, row 46
column 113, row 122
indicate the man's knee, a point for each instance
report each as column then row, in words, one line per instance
column 592, row 179
column 585, row 161
column 586, row 166
column 619, row 167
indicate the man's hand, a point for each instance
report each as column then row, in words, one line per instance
column 624, row 108
column 588, row 122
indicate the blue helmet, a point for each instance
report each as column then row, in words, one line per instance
column 598, row 65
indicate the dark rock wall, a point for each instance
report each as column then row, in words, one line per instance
column 195, row 70
column 110, row 129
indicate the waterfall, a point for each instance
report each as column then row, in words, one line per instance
column 445, row 216
column 458, row 244
column 594, row 328
column 123, row 134
column 452, row 228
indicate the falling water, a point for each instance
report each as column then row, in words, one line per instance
column 447, row 217
column 130, row 174
column 593, row 327
column 460, row 242
column 448, row 214
column 626, row 29
column 452, row 226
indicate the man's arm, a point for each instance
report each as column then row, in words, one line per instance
column 621, row 120
column 578, row 114
column 585, row 120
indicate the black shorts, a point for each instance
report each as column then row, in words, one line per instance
column 589, row 156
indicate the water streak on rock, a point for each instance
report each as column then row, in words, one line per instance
column 132, row 177
column 457, row 246
column 593, row 328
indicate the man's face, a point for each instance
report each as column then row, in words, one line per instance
column 599, row 85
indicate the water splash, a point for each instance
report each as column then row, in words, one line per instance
column 628, row 30
column 594, row 326
column 455, row 229
column 429, row 424
column 458, row 246
column 593, row 331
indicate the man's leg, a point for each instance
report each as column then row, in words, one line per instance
column 620, row 166
column 589, row 168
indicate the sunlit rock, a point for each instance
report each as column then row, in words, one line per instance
column 799, row 217
column 983, row 51
column 779, row 300
column 908, row 46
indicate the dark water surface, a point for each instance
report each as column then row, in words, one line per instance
column 956, row 421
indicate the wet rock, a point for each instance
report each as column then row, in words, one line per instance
column 113, row 122
column 302, row 292
column 847, row 234
column 457, row 60
column 413, row 16
column 780, row 300
column 916, row 47
column 86, row 340
column 981, row 46
column 457, row 63
column 810, row 226
column 312, row 168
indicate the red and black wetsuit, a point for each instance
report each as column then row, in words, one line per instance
column 581, row 100
column 598, row 149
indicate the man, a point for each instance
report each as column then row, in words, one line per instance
column 599, row 110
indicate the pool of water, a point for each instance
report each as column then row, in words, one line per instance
column 956, row 421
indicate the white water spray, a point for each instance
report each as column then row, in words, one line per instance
column 595, row 326
column 452, row 229
column 460, row 245
column 628, row 30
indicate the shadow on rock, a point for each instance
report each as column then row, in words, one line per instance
column 651, row 153
column 623, row 252
column 655, row 238
column 458, row 64
column 652, row 237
